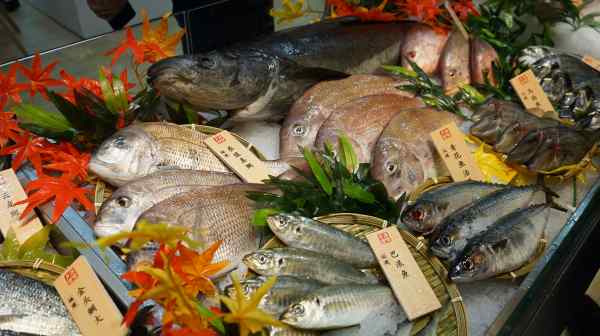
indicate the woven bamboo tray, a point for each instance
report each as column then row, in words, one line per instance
column 455, row 321
column 36, row 270
column 521, row 271
column 103, row 190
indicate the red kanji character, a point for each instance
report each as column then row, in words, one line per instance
column 71, row 276
column 219, row 139
column 384, row 237
column 445, row 134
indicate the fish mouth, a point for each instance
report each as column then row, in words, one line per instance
column 172, row 66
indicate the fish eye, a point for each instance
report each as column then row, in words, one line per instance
column 119, row 142
column 445, row 241
column 262, row 259
column 298, row 309
column 280, row 262
column 391, row 168
column 468, row 265
column 298, row 229
column 299, row 129
column 124, row 201
column 317, row 301
column 207, row 63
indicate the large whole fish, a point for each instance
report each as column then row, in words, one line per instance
column 126, row 204
column 363, row 120
column 305, row 264
column 284, row 292
column 307, row 115
column 258, row 79
column 32, row 307
column 404, row 157
column 426, row 212
column 305, row 233
column 220, row 213
column 504, row 247
column 338, row 306
column 455, row 68
column 458, row 228
column 144, row 148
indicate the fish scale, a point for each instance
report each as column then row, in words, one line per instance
column 29, row 306
column 221, row 213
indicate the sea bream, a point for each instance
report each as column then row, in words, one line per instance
column 126, row 204
column 307, row 115
column 454, row 232
column 260, row 79
column 506, row 246
column 404, row 157
column 219, row 213
column 362, row 121
column 144, row 148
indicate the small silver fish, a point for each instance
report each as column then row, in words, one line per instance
column 504, row 247
column 305, row 264
column 427, row 211
column 305, row 233
column 32, row 307
column 284, row 292
column 338, row 306
column 458, row 228
column 126, row 204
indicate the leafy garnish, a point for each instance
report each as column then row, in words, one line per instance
column 9, row 88
column 335, row 183
column 245, row 312
column 26, row 148
column 196, row 269
column 34, row 248
column 40, row 78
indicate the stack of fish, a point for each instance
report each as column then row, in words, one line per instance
column 481, row 229
column 571, row 85
column 320, row 283
column 542, row 144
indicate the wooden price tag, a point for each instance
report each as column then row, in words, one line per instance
column 594, row 63
column 12, row 192
column 449, row 142
column 88, row 302
column 237, row 157
column 532, row 95
column 403, row 273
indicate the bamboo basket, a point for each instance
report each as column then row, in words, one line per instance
column 521, row 271
column 455, row 321
column 103, row 190
column 37, row 270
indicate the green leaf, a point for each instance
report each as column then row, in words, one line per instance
column 43, row 119
column 260, row 216
column 348, row 156
column 355, row 191
column 121, row 99
column 9, row 250
column 318, row 171
column 93, row 105
column 46, row 133
column 36, row 242
column 76, row 116
column 399, row 70
column 191, row 115
column 212, row 317
column 107, row 93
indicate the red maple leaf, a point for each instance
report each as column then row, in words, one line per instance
column 188, row 332
column 73, row 84
column 62, row 189
column 129, row 43
column 40, row 77
column 375, row 14
column 9, row 128
column 463, row 8
column 67, row 159
column 9, row 88
column 26, row 147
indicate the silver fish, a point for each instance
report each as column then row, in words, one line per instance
column 305, row 233
column 32, row 307
column 141, row 149
column 426, row 212
column 457, row 229
column 504, row 247
column 338, row 306
column 221, row 213
column 289, row 331
column 305, row 264
column 126, row 204
column 284, row 292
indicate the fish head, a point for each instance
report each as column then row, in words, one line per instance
column 527, row 147
column 445, row 245
column 296, row 132
column 125, row 156
column 397, row 166
column 263, row 262
column 424, row 215
column 248, row 287
column 470, row 266
column 304, row 312
column 118, row 213
column 287, row 224
column 213, row 81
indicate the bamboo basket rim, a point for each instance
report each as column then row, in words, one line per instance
column 455, row 298
column 38, row 269
column 432, row 184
